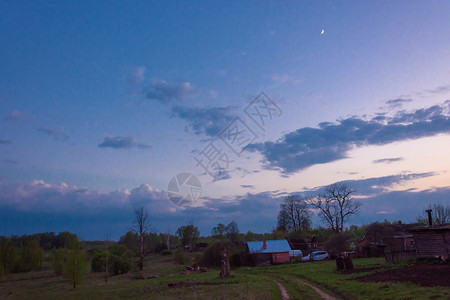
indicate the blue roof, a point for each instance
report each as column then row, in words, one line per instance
column 273, row 246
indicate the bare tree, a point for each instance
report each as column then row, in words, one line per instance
column 440, row 214
column 294, row 214
column 336, row 205
column 140, row 226
column 106, row 259
column 169, row 232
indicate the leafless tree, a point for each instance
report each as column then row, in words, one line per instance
column 140, row 226
column 294, row 214
column 106, row 259
column 169, row 232
column 336, row 205
column 440, row 214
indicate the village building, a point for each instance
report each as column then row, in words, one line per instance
column 269, row 252
column 306, row 244
column 432, row 241
column 382, row 238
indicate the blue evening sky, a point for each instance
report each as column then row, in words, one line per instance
column 103, row 102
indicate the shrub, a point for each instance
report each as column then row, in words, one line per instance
column 57, row 258
column 198, row 257
column 181, row 257
column 98, row 262
column 337, row 244
column 32, row 257
column 214, row 253
column 75, row 266
column 297, row 259
column 8, row 256
column 166, row 252
column 119, row 260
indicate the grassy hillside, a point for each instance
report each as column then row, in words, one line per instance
column 246, row 283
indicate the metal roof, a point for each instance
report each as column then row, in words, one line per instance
column 445, row 226
column 273, row 246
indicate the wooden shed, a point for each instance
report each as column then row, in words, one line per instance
column 432, row 241
column 380, row 238
column 269, row 252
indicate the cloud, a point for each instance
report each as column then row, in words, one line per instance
column 212, row 94
column 57, row 134
column 38, row 196
column 400, row 205
column 205, row 120
column 373, row 186
column 378, row 197
column 165, row 92
column 393, row 103
column 118, row 142
column 387, row 160
column 5, row 142
column 283, row 78
column 38, row 206
column 329, row 142
column 10, row 161
column 247, row 186
column 16, row 115
column 136, row 76
column 378, row 185
column 439, row 90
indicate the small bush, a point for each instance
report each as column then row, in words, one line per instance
column 214, row 253
column 337, row 244
column 57, row 258
column 166, row 252
column 98, row 262
column 198, row 256
column 119, row 260
column 296, row 259
column 181, row 257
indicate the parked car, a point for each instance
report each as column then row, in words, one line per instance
column 316, row 255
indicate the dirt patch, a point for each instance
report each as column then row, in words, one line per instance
column 361, row 270
column 424, row 275
column 321, row 293
column 284, row 293
column 29, row 278
column 187, row 284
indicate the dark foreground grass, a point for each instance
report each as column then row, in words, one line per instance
column 246, row 283
column 196, row 286
column 324, row 275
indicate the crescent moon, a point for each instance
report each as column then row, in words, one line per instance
column 323, row 31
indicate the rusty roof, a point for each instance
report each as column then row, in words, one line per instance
column 445, row 226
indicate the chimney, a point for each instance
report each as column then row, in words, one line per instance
column 430, row 220
column 264, row 244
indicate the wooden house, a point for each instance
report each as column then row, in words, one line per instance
column 306, row 244
column 380, row 238
column 269, row 252
column 432, row 241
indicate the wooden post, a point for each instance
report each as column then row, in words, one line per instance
column 225, row 266
column 348, row 263
column 340, row 263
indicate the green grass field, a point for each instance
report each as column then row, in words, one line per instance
column 246, row 283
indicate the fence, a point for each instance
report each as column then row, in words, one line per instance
column 397, row 256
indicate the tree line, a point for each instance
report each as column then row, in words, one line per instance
column 72, row 258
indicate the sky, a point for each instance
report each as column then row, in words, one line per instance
column 103, row 103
